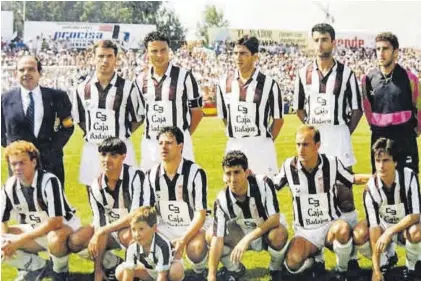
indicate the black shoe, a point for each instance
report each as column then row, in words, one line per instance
column 276, row 275
column 202, row 276
column 408, row 275
column 62, row 276
column 339, row 276
column 418, row 269
column 391, row 262
column 318, row 269
column 225, row 275
column 354, row 270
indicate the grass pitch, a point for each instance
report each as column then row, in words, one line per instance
column 209, row 145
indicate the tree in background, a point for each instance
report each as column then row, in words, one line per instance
column 129, row 12
column 212, row 17
column 168, row 23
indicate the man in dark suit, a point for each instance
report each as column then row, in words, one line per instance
column 38, row 115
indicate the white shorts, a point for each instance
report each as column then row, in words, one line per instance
column 150, row 151
column 74, row 223
column 90, row 166
column 336, row 141
column 259, row 244
column 350, row 217
column 315, row 236
column 260, row 152
column 169, row 233
column 152, row 272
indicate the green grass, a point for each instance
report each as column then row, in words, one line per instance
column 209, row 144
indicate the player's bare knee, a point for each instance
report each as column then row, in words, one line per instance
column 342, row 231
column 278, row 237
column 57, row 243
column 176, row 272
column 294, row 260
column 414, row 233
column 125, row 237
column 360, row 234
column 196, row 250
column 78, row 240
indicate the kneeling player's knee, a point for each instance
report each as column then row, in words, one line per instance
column 278, row 238
column 414, row 233
column 125, row 238
column 57, row 243
column 176, row 272
column 75, row 242
column 342, row 231
column 294, row 260
column 360, row 234
column 196, row 250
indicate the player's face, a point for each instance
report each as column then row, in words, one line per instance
column 22, row 167
column 105, row 60
column 323, row 44
column 385, row 53
column 307, row 149
column 27, row 73
column 142, row 232
column 243, row 58
column 169, row 148
column 158, row 54
column 385, row 166
column 236, row 179
column 111, row 162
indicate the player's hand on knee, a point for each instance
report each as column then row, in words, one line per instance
column 239, row 250
column 94, row 245
column 383, row 242
column 179, row 249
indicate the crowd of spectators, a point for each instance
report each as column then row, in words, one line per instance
column 64, row 67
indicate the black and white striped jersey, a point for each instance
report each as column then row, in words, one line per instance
column 314, row 193
column 129, row 194
column 260, row 203
column 159, row 258
column 44, row 199
column 390, row 205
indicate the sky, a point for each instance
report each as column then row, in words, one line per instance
column 400, row 17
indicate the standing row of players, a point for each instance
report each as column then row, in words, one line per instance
column 246, row 214
column 249, row 102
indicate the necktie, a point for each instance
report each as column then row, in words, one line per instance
column 30, row 112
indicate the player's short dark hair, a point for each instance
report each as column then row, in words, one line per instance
column 316, row 131
column 388, row 37
column 146, row 214
column 235, row 158
column 106, row 44
column 385, row 145
column 155, row 36
column 174, row 131
column 250, row 42
column 112, row 145
column 324, row 28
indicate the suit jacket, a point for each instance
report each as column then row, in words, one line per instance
column 52, row 136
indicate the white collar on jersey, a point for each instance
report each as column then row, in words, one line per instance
column 167, row 72
column 34, row 181
column 152, row 250
column 112, row 82
column 103, row 176
column 380, row 182
column 253, row 77
column 300, row 167
column 233, row 199
column 179, row 168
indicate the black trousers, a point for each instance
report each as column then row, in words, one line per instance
column 407, row 149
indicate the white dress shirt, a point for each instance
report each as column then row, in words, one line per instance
column 38, row 106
